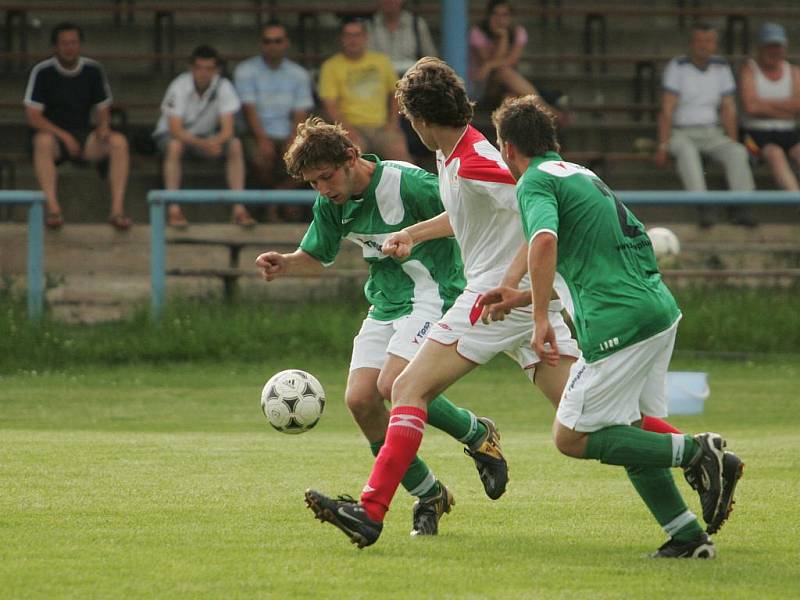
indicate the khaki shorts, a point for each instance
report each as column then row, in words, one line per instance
column 479, row 343
column 619, row 389
column 380, row 141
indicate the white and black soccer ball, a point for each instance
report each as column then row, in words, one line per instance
column 293, row 401
column 666, row 245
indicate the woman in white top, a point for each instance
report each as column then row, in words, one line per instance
column 770, row 92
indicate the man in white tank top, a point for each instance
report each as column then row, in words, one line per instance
column 770, row 92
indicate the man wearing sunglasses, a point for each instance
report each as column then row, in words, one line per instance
column 276, row 96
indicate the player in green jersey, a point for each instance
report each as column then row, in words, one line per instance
column 587, row 245
column 364, row 200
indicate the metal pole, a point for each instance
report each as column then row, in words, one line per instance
column 158, row 261
column 35, row 260
column 454, row 35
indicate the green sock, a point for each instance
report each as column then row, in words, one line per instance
column 419, row 480
column 630, row 446
column 658, row 490
column 458, row 422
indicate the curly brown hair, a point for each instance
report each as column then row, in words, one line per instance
column 432, row 91
column 527, row 123
column 317, row 144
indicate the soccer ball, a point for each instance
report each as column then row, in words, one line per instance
column 293, row 401
column 666, row 245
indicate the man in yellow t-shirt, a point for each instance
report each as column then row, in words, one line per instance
column 356, row 87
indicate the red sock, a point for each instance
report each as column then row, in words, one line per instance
column 658, row 425
column 403, row 437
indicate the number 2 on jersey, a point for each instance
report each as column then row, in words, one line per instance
column 628, row 230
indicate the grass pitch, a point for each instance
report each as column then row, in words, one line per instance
column 167, row 482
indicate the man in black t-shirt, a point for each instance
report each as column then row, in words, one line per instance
column 59, row 98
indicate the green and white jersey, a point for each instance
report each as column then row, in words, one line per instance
column 399, row 194
column 607, row 274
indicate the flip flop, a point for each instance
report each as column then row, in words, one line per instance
column 244, row 220
column 54, row 220
column 120, row 222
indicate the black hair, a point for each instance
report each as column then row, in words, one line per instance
column 483, row 25
column 205, row 51
column 348, row 19
column 64, row 26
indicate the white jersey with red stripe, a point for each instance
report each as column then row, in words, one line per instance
column 478, row 193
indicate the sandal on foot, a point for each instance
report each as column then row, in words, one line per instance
column 244, row 220
column 54, row 220
column 120, row 222
column 177, row 221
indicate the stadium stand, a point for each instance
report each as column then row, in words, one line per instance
column 607, row 57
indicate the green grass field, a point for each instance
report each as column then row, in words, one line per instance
column 167, row 482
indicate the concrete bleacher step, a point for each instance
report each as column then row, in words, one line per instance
column 96, row 273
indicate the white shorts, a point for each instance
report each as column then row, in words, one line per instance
column 479, row 343
column 377, row 339
column 619, row 389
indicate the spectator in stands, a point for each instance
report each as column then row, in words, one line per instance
column 276, row 95
column 405, row 38
column 59, row 97
column 356, row 87
column 698, row 96
column 197, row 116
column 495, row 48
column 770, row 92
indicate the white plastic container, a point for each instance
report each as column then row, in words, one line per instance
column 687, row 392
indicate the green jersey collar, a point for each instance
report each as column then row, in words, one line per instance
column 547, row 156
column 369, row 192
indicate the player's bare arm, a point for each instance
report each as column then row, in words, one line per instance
column 274, row 264
column 400, row 243
column 542, row 258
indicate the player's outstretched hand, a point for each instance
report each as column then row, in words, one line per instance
column 544, row 343
column 398, row 245
column 499, row 301
column 271, row 264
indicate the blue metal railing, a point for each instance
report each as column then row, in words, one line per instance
column 715, row 197
column 158, row 199
column 35, row 202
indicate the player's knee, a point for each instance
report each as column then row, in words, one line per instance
column 358, row 403
column 567, row 444
column 400, row 388
column 385, row 385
